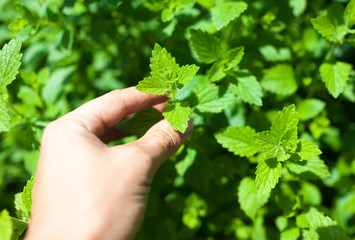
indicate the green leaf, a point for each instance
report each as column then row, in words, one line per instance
column 238, row 140
column 272, row 54
column 206, row 46
column 216, row 72
column 177, row 115
column 186, row 73
column 267, row 173
column 249, row 199
column 281, row 223
column 326, row 228
column 206, row 3
column 349, row 14
column 152, row 85
column 5, row 225
column 286, row 121
column 195, row 207
column 167, row 77
column 56, row 83
column 298, row 6
column 280, row 80
column 269, row 143
column 310, row 108
column 182, row 166
column 224, row 12
column 4, row 117
column 18, row 226
column 141, row 122
column 312, row 169
column 326, row 28
column 281, row 140
column 29, row 96
column 23, row 201
column 10, row 57
column 335, row 76
column 307, row 150
column 234, row 57
column 163, row 66
column 209, row 100
column 290, row 234
column 247, row 88
column 309, row 234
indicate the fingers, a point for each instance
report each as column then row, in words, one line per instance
column 114, row 134
column 160, row 142
column 106, row 111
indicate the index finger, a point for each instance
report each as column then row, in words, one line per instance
column 108, row 110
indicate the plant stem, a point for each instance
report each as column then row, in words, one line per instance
column 331, row 51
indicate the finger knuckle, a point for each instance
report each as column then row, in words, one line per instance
column 167, row 140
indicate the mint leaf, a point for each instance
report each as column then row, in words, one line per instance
column 269, row 143
column 216, row 72
column 163, row 66
column 247, row 88
column 5, row 225
column 290, row 234
column 309, row 108
column 335, row 76
column 272, row 54
column 10, row 57
column 234, row 57
column 186, row 73
column 267, row 173
column 298, row 6
column 285, row 121
column 141, row 122
column 238, row 140
column 23, row 201
column 280, row 80
column 206, row 46
column 152, row 85
column 349, row 14
column 177, row 115
column 182, row 166
column 281, row 139
column 273, row 146
column 307, row 150
column 309, row 235
column 209, row 100
column 327, row 28
column 4, row 117
column 166, row 78
column 249, row 199
column 172, row 7
column 224, row 12
column 326, row 228
column 195, row 207
column 312, row 169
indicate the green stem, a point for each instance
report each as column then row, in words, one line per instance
column 331, row 51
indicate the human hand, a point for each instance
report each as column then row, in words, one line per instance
column 87, row 190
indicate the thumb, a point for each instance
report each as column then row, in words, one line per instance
column 162, row 141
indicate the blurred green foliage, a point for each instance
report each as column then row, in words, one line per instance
column 76, row 50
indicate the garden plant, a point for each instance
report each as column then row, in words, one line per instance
column 269, row 86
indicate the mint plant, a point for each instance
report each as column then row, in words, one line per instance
column 275, row 146
column 269, row 88
column 10, row 57
column 166, row 78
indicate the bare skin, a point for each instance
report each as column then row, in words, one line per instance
column 87, row 190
